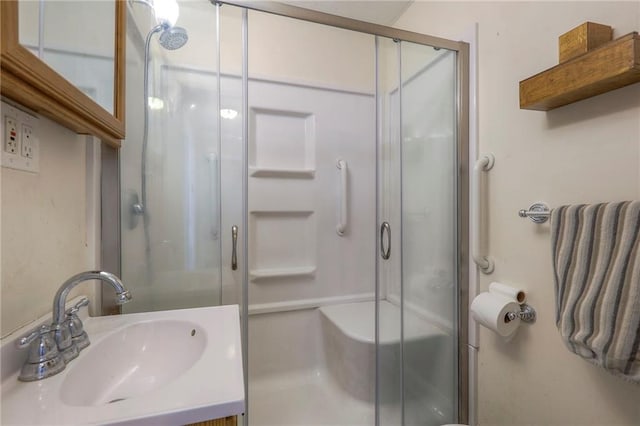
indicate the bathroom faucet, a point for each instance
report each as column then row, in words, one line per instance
column 62, row 334
column 51, row 348
column 60, row 299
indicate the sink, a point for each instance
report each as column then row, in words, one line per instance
column 132, row 361
column 153, row 368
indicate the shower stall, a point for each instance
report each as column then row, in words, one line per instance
column 313, row 170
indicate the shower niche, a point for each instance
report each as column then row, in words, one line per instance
column 282, row 144
column 273, row 254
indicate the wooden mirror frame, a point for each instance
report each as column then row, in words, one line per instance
column 29, row 81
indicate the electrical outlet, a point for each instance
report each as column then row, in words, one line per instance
column 11, row 137
column 20, row 147
column 27, row 141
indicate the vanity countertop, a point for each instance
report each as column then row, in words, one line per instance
column 209, row 385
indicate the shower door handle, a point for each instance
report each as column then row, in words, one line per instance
column 385, row 228
column 234, row 247
column 214, row 169
column 342, row 221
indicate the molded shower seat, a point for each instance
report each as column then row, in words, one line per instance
column 349, row 342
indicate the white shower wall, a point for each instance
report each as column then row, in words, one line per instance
column 296, row 136
column 296, row 258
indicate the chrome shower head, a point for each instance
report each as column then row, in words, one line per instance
column 173, row 38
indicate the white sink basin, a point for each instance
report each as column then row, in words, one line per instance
column 155, row 368
column 133, row 361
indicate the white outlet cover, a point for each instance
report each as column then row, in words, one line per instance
column 18, row 161
column 27, row 141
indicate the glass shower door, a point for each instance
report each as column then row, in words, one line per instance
column 311, row 213
column 418, row 282
column 429, row 234
column 173, row 221
column 388, row 318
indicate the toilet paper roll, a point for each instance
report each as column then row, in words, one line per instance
column 490, row 310
column 513, row 293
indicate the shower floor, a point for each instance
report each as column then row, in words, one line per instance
column 304, row 398
column 313, row 398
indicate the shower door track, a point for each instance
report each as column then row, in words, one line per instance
column 289, row 11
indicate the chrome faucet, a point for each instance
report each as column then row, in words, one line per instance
column 53, row 347
column 60, row 299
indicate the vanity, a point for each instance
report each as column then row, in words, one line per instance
column 152, row 368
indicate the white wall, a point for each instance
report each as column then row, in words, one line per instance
column 582, row 153
column 48, row 226
column 335, row 57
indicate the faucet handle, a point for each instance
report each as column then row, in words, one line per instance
column 75, row 308
column 41, row 344
column 43, row 359
column 26, row 340
column 79, row 337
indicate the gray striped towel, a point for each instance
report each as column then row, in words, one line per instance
column 596, row 261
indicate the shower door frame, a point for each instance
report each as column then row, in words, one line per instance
column 462, row 153
column 110, row 180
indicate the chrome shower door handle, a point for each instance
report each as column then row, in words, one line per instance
column 385, row 228
column 343, row 214
column 234, row 247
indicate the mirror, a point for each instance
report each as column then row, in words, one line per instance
column 67, row 36
column 65, row 59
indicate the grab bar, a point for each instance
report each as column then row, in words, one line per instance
column 484, row 262
column 212, row 157
column 342, row 221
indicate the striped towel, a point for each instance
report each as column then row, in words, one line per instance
column 596, row 260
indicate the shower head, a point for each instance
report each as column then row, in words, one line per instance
column 173, row 38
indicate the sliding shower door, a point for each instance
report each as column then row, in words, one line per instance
column 389, row 318
column 418, row 210
column 311, row 217
column 180, row 195
column 428, row 105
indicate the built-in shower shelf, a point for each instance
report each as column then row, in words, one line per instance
column 268, row 274
column 282, row 173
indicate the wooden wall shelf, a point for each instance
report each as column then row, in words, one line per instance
column 608, row 67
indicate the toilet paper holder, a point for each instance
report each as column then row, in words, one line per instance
column 526, row 314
